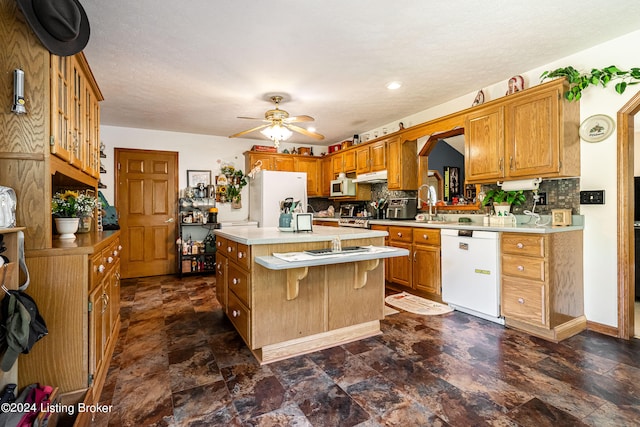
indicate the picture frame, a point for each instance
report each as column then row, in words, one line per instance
column 596, row 128
column 196, row 177
column 560, row 217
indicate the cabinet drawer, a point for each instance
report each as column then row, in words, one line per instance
column 531, row 245
column 400, row 234
column 522, row 266
column 231, row 249
column 221, row 244
column 426, row 236
column 242, row 256
column 98, row 270
column 523, row 301
column 240, row 316
column 238, row 281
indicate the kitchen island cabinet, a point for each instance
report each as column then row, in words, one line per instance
column 286, row 308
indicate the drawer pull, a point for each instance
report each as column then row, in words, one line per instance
column 521, row 268
column 399, row 234
column 218, row 244
column 110, row 260
column 229, row 250
column 115, row 253
column 235, row 313
column 119, row 247
column 425, row 237
column 235, row 281
column 101, row 268
column 520, row 246
column 520, row 300
column 240, row 255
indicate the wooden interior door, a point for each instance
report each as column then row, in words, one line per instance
column 146, row 199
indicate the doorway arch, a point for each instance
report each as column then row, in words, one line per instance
column 626, row 249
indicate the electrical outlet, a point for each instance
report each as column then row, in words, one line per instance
column 542, row 199
column 592, row 197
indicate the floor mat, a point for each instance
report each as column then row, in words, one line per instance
column 388, row 311
column 417, row 305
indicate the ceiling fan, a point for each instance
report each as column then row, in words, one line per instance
column 279, row 125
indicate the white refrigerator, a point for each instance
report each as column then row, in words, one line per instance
column 268, row 188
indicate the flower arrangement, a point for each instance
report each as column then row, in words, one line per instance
column 71, row 204
column 236, row 182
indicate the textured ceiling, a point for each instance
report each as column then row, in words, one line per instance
column 195, row 66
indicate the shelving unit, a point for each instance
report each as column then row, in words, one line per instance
column 196, row 244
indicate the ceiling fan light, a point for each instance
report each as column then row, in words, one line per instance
column 277, row 132
column 394, row 85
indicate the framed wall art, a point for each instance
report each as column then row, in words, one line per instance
column 196, row 177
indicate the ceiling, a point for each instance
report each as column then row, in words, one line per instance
column 196, row 66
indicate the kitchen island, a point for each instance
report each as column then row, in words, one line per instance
column 284, row 302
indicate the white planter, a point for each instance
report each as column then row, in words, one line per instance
column 502, row 209
column 67, row 227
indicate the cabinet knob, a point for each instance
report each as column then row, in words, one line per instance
column 520, row 246
column 399, row 234
column 521, row 268
column 119, row 247
column 110, row 259
column 218, row 244
column 101, row 268
column 235, row 313
column 425, row 237
column 240, row 254
column 235, row 281
column 229, row 250
column 115, row 253
column 520, row 300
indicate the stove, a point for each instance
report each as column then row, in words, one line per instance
column 356, row 222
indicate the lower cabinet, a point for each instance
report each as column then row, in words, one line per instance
column 542, row 283
column 420, row 270
column 77, row 290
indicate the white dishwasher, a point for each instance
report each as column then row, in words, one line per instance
column 471, row 272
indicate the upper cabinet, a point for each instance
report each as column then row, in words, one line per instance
column 371, row 157
column 269, row 161
column 530, row 134
column 312, row 167
column 344, row 161
column 75, row 114
column 402, row 164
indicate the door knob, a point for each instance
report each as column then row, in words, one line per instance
column 170, row 220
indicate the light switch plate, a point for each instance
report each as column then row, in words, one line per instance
column 595, row 197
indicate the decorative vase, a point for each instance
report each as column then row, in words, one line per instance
column 502, row 209
column 67, row 227
column 236, row 203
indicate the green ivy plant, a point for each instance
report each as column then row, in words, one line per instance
column 498, row 195
column 579, row 81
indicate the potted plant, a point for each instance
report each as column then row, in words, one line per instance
column 237, row 182
column 68, row 208
column 502, row 200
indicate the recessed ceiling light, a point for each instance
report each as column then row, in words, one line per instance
column 393, row 85
column 311, row 129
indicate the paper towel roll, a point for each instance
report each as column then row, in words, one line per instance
column 522, row 184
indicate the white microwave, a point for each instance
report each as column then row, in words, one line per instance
column 343, row 187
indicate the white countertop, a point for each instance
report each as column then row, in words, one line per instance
column 521, row 227
column 271, row 235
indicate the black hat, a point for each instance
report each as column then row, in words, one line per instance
column 22, row 326
column 61, row 25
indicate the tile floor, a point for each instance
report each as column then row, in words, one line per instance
column 178, row 362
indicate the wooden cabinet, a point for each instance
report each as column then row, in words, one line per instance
column 371, row 157
column 542, row 286
column 312, row 167
column 78, row 292
column 530, row 134
column 270, row 161
column 426, row 260
column 402, row 164
column 344, row 161
column 233, row 283
column 327, row 176
column 420, row 271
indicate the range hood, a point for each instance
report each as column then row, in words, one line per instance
column 372, row 177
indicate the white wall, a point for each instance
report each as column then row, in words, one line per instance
column 199, row 152
column 598, row 161
column 598, row 164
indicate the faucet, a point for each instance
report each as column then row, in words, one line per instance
column 430, row 200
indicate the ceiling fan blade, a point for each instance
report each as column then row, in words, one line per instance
column 295, row 119
column 253, row 118
column 244, row 132
column 303, row 131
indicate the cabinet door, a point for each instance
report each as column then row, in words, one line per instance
column 312, row 168
column 327, row 176
column 400, row 268
column 378, row 156
column 91, row 132
column 76, row 116
column 394, row 167
column 349, row 158
column 426, row 269
column 484, row 145
column 337, row 163
column 532, row 135
column 221, row 280
column 96, row 336
column 254, row 158
column 283, row 163
column 363, row 163
column 60, row 109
